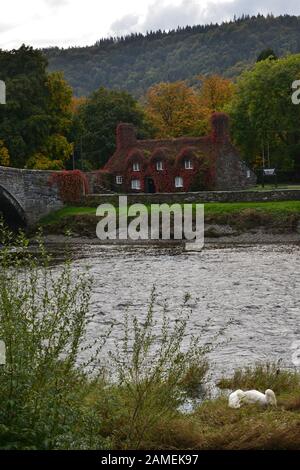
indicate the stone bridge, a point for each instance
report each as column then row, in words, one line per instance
column 26, row 196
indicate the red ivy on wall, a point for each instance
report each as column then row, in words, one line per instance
column 188, row 175
column 200, row 176
column 163, row 179
column 72, row 185
column 135, row 156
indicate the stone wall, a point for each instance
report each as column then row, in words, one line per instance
column 231, row 172
column 30, row 192
column 94, row 200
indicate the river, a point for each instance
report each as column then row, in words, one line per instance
column 252, row 290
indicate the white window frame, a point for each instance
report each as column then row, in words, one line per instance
column 178, row 182
column 136, row 184
column 119, row 179
column 159, row 165
column 136, row 166
column 188, row 164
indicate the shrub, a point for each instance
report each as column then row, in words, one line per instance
column 72, row 185
column 43, row 321
column 152, row 379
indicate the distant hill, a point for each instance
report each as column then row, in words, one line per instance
column 136, row 62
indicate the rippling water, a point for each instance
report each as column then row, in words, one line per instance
column 254, row 290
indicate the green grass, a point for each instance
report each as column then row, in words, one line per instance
column 271, row 207
column 211, row 208
column 67, row 211
column 271, row 187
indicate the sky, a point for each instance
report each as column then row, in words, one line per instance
column 64, row 23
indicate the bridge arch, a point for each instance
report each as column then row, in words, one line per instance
column 11, row 210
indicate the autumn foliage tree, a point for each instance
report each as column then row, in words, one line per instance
column 175, row 110
column 77, row 102
column 215, row 92
column 4, row 154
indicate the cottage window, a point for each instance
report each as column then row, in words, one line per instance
column 188, row 164
column 135, row 184
column 159, row 165
column 119, row 179
column 136, row 166
column 178, row 182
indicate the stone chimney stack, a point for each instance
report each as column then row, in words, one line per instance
column 220, row 128
column 125, row 136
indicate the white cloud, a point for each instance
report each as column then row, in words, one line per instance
column 125, row 25
column 167, row 14
column 56, row 3
column 6, row 27
column 76, row 22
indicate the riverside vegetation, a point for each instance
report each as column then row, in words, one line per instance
column 131, row 397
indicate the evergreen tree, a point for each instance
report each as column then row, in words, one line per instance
column 266, row 54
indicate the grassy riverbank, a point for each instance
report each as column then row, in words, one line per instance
column 282, row 216
column 212, row 425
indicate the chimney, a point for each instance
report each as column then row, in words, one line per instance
column 125, row 136
column 220, row 127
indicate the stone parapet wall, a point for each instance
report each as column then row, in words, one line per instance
column 94, row 200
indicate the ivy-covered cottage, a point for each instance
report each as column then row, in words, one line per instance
column 182, row 164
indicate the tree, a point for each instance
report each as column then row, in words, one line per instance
column 60, row 102
column 136, row 63
column 98, row 118
column 266, row 54
column 40, row 161
column 215, row 92
column 23, row 124
column 38, row 105
column 175, row 110
column 77, row 102
column 54, row 154
column 264, row 119
column 4, row 154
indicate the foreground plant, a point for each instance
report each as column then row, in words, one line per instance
column 43, row 322
column 154, row 372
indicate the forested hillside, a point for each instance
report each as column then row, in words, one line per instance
column 136, row 62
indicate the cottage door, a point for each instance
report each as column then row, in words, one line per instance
column 149, row 185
